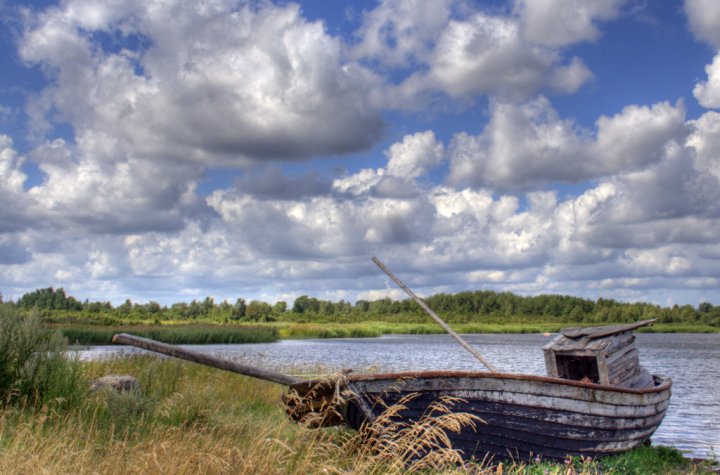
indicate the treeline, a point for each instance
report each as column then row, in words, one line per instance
column 463, row 307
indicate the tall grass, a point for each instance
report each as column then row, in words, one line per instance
column 188, row 418
column 34, row 365
column 174, row 334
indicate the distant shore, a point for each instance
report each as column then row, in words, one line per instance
column 209, row 333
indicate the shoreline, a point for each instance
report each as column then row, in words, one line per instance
column 237, row 333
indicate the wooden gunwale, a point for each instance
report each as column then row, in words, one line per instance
column 610, row 396
column 564, row 404
column 664, row 384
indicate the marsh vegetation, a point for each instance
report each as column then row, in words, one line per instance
column 186, row 418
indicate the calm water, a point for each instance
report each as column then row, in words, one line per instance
column 692, row 423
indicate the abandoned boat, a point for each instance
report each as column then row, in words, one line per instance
column 596, row 400
column 586, row 407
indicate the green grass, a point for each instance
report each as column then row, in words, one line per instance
column 187, row 418
column 173, row 334
column 206, row 333
column 374, row 329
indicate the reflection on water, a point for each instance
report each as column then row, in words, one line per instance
column 692, row 423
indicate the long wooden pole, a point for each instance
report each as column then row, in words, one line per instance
column 434, row 315
column 195, row 357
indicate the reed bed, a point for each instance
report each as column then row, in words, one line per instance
column 174, row 334
column 209, row 333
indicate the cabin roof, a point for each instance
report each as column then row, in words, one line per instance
column 599, row 332
column 590, row 339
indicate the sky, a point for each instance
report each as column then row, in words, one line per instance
column 163, row 150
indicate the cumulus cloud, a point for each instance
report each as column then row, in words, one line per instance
column 85, row 187
column 708, row 92
column 216, row 83
column 485, row 54
column 704, row 19
column 463, row 52
column 415, row 155
column 15, row 210
column 557, row 23
column 705, row 141
column 399, row 32
column 157, row 93
column 529, row 144
column 272, row 184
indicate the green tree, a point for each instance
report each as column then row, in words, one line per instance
column 279, row 308
column 238, row 310
column 258, row 311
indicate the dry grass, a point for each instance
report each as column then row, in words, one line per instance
column 192, row 419
column 389, row 444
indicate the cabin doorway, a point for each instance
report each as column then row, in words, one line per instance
column 577, row 368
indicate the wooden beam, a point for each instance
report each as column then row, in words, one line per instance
column 201, row 358
column 434, row 315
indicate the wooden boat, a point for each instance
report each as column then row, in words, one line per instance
column 596, row 401
column 523, row 416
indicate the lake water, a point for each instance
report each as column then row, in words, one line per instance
column 692, row 423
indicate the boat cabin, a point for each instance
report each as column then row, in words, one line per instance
column 602, row 355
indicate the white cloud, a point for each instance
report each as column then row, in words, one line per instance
column 704, row 18
column 15, row 210
column 705, row 141
column 415, row 155
column 557, row 23
column 485, row 55
column 399, row 32
column 158, row 93
column 708, row 92
column 89, row 186
column 452, row 48
column 529, row 144
column 215, row 83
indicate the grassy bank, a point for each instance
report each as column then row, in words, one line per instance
column 207, row 333
column 375, row 329
column 188, row 418
column 173, row 334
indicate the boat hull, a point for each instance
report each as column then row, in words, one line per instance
column 523, row 416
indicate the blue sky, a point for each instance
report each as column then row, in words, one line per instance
column 169, row 151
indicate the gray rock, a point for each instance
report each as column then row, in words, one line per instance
column 116, row 382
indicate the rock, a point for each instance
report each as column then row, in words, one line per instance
column 116, row 382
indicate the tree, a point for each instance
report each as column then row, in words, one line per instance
column 704, row 307
column 279, row 308
column 238, row 310
column 258, row 311
column 126, row 307
column 301, row 304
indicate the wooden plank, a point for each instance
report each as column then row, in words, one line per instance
column 434, row 315
column 626, row 355
column 599, row 332
column 603, row 368
column 557, row 402
column 642, row 379
column 201, row 358
column 555, row 416
column 550, row 363
column 618, row 342
column 501, row 434
column 512, row 383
